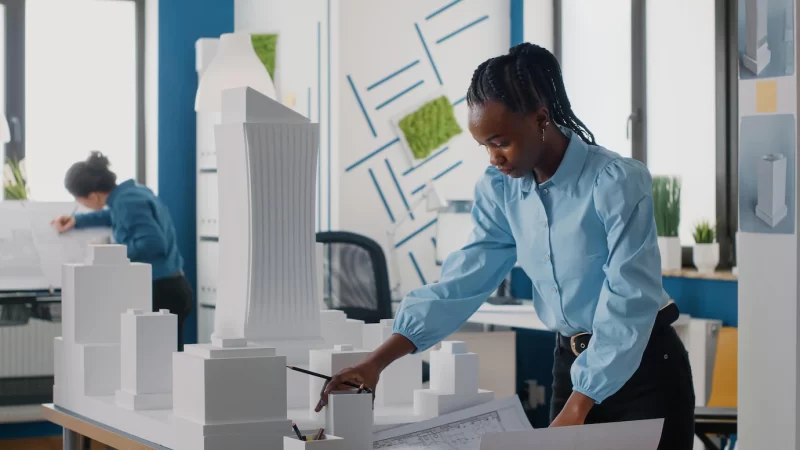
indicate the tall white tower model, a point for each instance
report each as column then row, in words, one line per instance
column 771, row 207
column 756, row 51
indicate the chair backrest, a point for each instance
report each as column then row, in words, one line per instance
column 725, row 379
column 356, row 277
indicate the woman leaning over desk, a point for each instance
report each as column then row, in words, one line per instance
column 579, row 219
column 140, row 221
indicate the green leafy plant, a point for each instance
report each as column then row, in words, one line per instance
column 265, row 46
column 704, row 233
column 667, row 205
column 15, row 185
column 429, row 127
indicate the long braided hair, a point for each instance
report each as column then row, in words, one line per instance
column 526, row 78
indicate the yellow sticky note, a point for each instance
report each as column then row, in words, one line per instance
column 766, row 96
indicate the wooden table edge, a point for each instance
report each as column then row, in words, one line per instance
column 93, row 432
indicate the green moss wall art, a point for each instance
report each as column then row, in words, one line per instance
column 265, row 46
column 429, row 127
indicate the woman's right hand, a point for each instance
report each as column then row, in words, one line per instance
column 364, row 374
column 63, row 223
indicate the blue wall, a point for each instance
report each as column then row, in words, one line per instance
column 181, row 23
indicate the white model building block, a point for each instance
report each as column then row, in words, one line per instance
column 229, row 397
column 96, row 293
column 98, row 365
column 320, row 262
column 756, row 50
column 330, row 362
column 771, row 207
column 404, row 376
column 349, row 415
column 454, row 382
column 148, row 341
column 336, row 328
column 329, row 442
column 58, row 368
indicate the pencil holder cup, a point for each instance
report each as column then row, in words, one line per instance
column 330, row 442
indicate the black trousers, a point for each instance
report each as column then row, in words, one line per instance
column 175, row 294
column 660, row 388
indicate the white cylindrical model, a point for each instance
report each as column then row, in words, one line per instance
column 756, row 51
column 771, row 207
column 349, row 415
column 148, row 341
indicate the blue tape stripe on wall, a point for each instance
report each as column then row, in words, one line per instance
column 399, row 189
column 402, row 93
column 181, row 23
column 361, row 105
column 442, row 9
column 416, row 267
column 425, row 161
column 392, row 75
column 440, row 175
column 464, row 28
column 428, row 52
column 517, row 22
column 380, row 193
column 459, row 100
column 414, row 234
column 362, row 160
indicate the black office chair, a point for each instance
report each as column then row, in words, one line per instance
column 356, row 277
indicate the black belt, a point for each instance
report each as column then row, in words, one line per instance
column 579, row 342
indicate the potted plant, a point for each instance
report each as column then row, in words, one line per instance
column 706, row 251
column 667, row 211
column 15, row 185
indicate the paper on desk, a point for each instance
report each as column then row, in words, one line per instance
column 459, row 430
column 636, row 435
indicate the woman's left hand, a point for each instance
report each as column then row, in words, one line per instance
column 574, row 412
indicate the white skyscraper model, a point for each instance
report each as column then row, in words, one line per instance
column 771, row 207
column 756, row 51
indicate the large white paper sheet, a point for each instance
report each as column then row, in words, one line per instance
column 636, row 435
column 32, row 251
column 459, row 430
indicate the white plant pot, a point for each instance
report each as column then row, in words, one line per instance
column 706, row 257
column 670, row 249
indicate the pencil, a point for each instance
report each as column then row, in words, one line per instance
column 324, row 377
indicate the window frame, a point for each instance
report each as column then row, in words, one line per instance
column 15, row 81
column 727, row 124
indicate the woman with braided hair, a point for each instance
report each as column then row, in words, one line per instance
column 579, row 220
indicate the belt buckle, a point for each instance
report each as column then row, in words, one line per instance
column 573, row 345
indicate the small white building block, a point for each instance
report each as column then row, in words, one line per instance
column 404, row 376
column 99, row 368
column 771, row 207
column 330, row 362
column 148, row 341
column 336, row 328
column 756, row 56
column 229, row 397
column 330, row 442
column 454, row 382
column 349, row 415
column 96, row 293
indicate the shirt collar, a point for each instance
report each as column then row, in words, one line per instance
column 124, row 186
column 568, row 171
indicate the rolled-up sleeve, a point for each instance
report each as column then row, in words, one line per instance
column 632, row 294
column 431, row 313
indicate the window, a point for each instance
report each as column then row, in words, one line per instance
column 81, row 89
column 666, row 98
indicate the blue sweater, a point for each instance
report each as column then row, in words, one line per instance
column 141, row 222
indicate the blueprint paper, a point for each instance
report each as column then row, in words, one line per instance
column 459, row 430
column 636, row 435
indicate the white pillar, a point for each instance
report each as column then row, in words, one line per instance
column 349, row 415
column 756, row 51
column 771, row 207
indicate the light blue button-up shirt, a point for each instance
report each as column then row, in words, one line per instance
column 587, row 239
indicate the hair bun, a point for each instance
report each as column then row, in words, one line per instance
column 97, row 161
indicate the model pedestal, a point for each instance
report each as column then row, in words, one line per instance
column 454, row 382
column 148, row 341
column 771, row 206
column 229, row 395
column 330, row 362
column 349, row 415
column 338, row 329
column 404, row 376
column 756, row 51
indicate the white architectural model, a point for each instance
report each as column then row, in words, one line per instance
column 403, row 377
column 454, row 382
column 338, row 329
column 756, row 51
column 148, row 341
column 349, row 415
column 330, row 362
column 771, row 207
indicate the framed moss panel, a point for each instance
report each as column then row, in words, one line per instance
column 427, row 127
